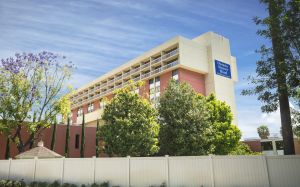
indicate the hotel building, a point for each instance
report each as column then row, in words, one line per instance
column 204, row 62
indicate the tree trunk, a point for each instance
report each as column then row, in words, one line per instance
column 53, row 136
column 280, row 67
column 82, row 147
column 67, row 139
column 97, row 139
column 7, row 149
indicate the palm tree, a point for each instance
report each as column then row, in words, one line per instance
column 263, row 132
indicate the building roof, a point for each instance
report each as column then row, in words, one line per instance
column 40, row 152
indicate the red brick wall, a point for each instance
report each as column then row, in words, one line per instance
column 85, row 109
column 96, row 105
column 164, row 80
column 46, row 136
column 196, row 80
column 74, row 115
column 254, row 145
column 144, row 90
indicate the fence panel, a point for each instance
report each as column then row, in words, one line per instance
column 240, row 171
column 22, row 169
column 48, row 170
column 114, row 170
column 4, row 169
column 79, row 171
column 284, row 171
column 190, row 171
column 215, row 171
column 147, row 171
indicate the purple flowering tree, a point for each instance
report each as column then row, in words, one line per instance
column 32, row 94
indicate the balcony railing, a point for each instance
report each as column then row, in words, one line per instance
column 145, row 65
column 156, row 71
column 137, row 79
column 104, row 84
column 126, row 74
column 135, row 70
column 110, row 82
column 119, row 77
column 171, row 53
column 145, row 75
column 119, row 86
column 156, row 60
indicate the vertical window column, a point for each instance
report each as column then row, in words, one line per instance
column 90, row 107
column 79, row 112
column 154, row 89
column 175, row 75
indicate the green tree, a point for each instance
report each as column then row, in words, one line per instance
column 225, row 135
column 30, row 88
column 53, row 135
column 263, row 132
column 192, row 124
column 97, row 139
column 67, row 139
column 184, row 120
column 243, row 149
column 131, row 126
column 82, row 146
column 277, row 73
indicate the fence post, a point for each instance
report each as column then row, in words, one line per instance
column 34, row 167
column 212, row 173
column 167, row 171
column 62, row 170
column 128, row 175
column 94, row 161
column 9, row 168
column 266, row 171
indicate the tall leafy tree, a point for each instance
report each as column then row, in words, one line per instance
column 277, row 73
column 131, row 126
column 225, row 136
column 30, row 87
column 263, row 132
column 67, row 140
column 97, row 139
column 184, row 121
column 82, row 145
column 192, row 124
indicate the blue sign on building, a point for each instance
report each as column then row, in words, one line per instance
column 222, row 69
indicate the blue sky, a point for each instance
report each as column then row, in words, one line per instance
column 99, row 35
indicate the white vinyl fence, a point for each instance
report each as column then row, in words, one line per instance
column 198, row 171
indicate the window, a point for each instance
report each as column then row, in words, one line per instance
column 102, row 104
column 154, row 90
column 77, row 141
column 279, row 145
column 175, row 75
column 267, row 146
column 79, row 112
column 90, row 107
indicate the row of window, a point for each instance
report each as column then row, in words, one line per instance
column 90, row 108
column 154, row 93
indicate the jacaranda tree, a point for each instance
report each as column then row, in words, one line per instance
column 31, row 86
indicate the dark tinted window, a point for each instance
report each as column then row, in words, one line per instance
column 279, row 145
column 77, row 141
column 266, row 146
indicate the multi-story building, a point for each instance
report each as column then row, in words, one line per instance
column 204, row 62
